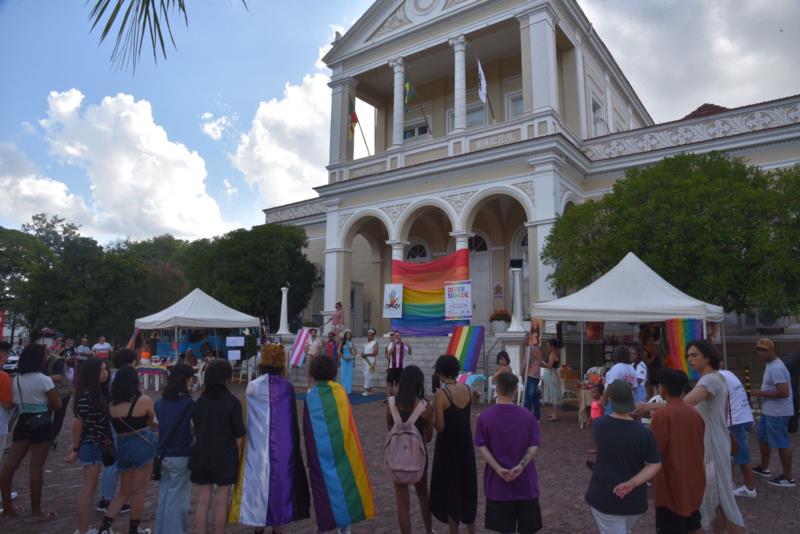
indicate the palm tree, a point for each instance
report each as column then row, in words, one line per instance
column 141, row 20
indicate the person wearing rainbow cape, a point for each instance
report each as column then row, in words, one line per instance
column 338, row 473
column 272, row 489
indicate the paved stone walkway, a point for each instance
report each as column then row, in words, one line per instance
column 562, row 471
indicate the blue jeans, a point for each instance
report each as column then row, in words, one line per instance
column 135, row 450
column 90, row 454
column 532, row 397
column 174, row 494
column 108, row 481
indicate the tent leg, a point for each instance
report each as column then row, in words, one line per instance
column 724, row 345
column 583, row 327
column 177, row 345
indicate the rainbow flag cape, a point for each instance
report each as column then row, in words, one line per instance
column 679, row 333
column 423, row 293
column 272, row 488
column 298, row 355
column 466, row 345
column 337, row 469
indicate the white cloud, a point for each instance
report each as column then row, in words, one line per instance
column 26, row 192
column 142, row 183
column 230, row 190
column 679, row 54
column 214, row 128
column 285, row 152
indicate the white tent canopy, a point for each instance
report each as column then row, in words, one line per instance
column 630, row 292
column 197, row 310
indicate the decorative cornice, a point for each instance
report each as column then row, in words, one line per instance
column 343, row 220
column 396, row 20
column 395, row 210
column 674, row 135
column 459, row 200
column 279, row 215
column 452, row 3
column 527, row 188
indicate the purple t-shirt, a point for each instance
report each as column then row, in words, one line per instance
column 507, row 431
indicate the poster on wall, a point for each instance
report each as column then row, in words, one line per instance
column 457, row 300
column 393, row 301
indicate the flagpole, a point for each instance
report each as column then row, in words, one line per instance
column 480, row 70
column 364, row 137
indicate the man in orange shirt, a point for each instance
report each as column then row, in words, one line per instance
column 680, row 484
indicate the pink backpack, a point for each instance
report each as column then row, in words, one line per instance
column 405, row 454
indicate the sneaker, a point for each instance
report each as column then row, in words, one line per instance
column 364, row 394
column 125, row 509
column 782, row 482
column 141, row 530
column 762, row 472
column 743, row 491
column 102, row 506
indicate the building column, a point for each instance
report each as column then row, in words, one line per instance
column 539, row 67
column 462, row 239
column 546, row 178
column 398, row 249
column 609, row 107
column 342, row 93
column 334, row 262
column 398, row 116
column 584, row 133
column 459, row 45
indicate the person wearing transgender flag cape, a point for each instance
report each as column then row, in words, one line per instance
column 272, row 489
column 337, row 470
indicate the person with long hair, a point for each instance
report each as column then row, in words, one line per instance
column 174, row 412
column 132, row 416
column 454, row 479
column 410, row 395
column 273, row 446
column 219, row 436
column 503, row 366
column 551, row 383
column 36, row 396
column 347, row 361
column 90, row 429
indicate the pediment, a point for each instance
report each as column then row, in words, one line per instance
column 388, row 18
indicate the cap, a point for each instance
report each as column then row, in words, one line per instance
column 765, row 343
column 621, row 396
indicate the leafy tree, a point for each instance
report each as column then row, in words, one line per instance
column 713, row 226
column 52, row 231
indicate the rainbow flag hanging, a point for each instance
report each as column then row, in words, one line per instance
column 679, row 333
column 298, row 355
column 466, row 345
column 423, row 293
column 337, row 469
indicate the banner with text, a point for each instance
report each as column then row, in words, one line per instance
column 393, row 301
column 458, row 300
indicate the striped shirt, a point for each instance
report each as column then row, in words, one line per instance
column 94, row 427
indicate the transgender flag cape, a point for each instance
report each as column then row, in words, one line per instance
column 272, row 489
column 336, row 466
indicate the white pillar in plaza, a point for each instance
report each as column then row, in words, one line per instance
column 581, row 76
column 398, row 116
column 459, row 45
column 516, row 308
column 283, row 329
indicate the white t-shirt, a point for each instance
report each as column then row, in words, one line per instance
column 621, row 371
column 641, row 373
column 34, row 388
column 370, row 350
column 102, row 350
column 776, row 373
column 740, row 407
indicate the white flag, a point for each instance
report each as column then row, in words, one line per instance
column 482, row 82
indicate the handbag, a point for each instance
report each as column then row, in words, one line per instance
column 156, row 474
column 35, row 421
column 108, row 452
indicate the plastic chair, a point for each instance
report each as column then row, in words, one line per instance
column 247, row 369
column 200, row 373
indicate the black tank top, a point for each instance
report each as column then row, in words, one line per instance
column 129, row 423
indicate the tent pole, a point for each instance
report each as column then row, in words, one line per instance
column 583, row 327
column 176, row 342
column 724, row 345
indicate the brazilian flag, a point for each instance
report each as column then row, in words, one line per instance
column 408, row 92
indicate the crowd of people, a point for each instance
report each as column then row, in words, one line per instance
column 246, row 464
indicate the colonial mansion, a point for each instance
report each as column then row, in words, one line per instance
column 486, row 158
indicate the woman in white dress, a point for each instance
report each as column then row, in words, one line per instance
column 710, row 397
column 551, row 383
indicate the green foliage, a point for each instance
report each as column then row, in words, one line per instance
column 20, row 253
column 714, row 227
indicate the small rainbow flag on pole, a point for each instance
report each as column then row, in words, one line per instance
column 298, row 354
column 679, row 333
column 337, row 469
column 466, row 345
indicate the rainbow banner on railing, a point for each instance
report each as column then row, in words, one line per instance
column 423, row 293
column 466, row 345
column 679, row 333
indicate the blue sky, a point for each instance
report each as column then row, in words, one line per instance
column 236, row 119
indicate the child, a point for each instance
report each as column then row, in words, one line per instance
column 507, row 437
column 597, row 403
column 503, row 366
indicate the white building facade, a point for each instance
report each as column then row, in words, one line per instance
column 561, row 124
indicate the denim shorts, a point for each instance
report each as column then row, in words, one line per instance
column 90, row 454
column 774, row 430
column 135, row 450
column 740, row 433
